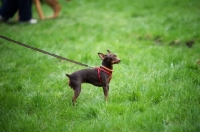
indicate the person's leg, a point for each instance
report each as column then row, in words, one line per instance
column 25, row 12
column 8, row 9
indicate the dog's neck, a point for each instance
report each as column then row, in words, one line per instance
column 109, row 66
column 107, row 69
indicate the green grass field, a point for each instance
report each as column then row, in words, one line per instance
column 155, row 88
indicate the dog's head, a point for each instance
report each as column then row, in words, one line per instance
column 109, row 58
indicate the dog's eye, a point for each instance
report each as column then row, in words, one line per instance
column 114, row 56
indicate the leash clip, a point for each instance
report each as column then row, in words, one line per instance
column 90, row 66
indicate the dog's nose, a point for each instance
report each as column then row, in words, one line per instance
column 118, row 60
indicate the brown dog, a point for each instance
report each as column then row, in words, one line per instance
column 54, row 4
column 98, row 76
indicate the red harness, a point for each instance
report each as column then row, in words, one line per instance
column 106, row 70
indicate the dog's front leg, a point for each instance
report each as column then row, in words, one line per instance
column 105, row 91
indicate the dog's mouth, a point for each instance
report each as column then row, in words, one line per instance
column 116, row 62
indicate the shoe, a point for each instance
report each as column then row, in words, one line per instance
column 32, row 21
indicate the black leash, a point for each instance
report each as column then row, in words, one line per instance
column 44, row 52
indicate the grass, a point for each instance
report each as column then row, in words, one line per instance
column 156, row 86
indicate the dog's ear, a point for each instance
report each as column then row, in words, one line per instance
column 108, row 51
column 102, row 56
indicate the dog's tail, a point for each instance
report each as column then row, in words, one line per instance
column 68, row 80
column 67, row 75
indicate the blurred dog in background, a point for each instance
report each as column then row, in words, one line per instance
column 54, row 4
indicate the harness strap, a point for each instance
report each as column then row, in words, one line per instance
column 105, row 70
column 99, row 76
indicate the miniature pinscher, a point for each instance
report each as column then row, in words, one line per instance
column 98, row 76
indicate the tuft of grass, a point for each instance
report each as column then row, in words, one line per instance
column 156, row 86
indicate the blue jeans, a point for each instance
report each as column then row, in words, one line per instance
column 10, row 7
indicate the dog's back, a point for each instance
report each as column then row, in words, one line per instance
column 84, row 76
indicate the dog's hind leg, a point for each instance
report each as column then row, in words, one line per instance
column 76, row 94
column 77, row 90
column 76, row 87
